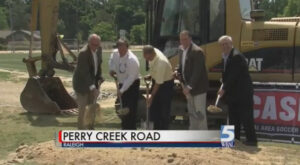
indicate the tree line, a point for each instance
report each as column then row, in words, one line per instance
column 280, row 8
column 78, row 18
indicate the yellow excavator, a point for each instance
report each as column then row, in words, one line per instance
column 43, row 92
column 272, row 47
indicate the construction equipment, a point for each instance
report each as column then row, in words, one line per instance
column 44, row 93
column 272, row 48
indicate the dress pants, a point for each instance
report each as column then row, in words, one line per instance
column 241, row 113
column 197, row 112
column 83, row 100
column 130, row 99
column 161, row 106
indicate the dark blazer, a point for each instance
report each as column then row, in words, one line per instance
column 84, row 75
column 237, row 82
column 195, row 74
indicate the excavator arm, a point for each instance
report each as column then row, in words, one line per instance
column 44, row 93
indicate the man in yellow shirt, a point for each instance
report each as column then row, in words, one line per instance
column 162, row 87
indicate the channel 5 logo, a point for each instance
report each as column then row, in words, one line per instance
column 227, row 135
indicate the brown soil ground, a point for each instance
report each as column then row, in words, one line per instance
column 48, row 153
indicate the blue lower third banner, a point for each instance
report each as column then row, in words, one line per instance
column 141, row 138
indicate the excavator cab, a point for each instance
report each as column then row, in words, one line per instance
column 43, row 92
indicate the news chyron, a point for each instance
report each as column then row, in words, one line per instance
column 146, row 138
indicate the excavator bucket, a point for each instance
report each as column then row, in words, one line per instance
column 46, row 95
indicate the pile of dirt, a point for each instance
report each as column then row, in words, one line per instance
column 48, row 153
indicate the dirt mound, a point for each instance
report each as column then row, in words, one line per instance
column 48, row 153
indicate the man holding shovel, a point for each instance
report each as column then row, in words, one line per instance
column 193, row 74
column 86, row 81
column 124, row 68
column 162, row 87
column 237, row 90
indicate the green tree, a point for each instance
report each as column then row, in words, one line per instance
column 3, row 19
column 69, row 12
column 127, row 13
column 61, row 26
column 273, row 8
column 123, row 16
column 105, row 30
column 19, row 14
column 137, row 34
column 81, row 16
column 292, row 8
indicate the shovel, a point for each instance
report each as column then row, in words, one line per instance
column 147, row 124
column 91, row 111
column 215, row 108
column 120, row 110
column 181, row 83
column 182, row 86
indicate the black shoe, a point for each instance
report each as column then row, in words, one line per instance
column 250, row 143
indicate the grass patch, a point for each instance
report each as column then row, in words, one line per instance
column 5, row 76
column 14, row 62
column 27, row 128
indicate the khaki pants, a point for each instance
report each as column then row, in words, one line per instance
column 83, row 101
column 197, row 112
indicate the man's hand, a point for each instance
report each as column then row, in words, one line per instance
column 95, row 93
column 221, row 92
column 101, row 80
column 147, row 80
column 113, row 74
column 186, row 91
column 177, row 75
column 149, row 101
column 119, row 94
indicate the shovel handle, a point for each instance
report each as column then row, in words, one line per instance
column 182, row 86
column 117, row 86
column 218, row 96
column 217, row 100
column 221, row 86
column 147, row 82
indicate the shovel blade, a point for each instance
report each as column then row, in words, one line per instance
column 147, row 125
column 90, row 114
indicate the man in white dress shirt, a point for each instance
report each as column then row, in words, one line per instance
column 124, row 65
